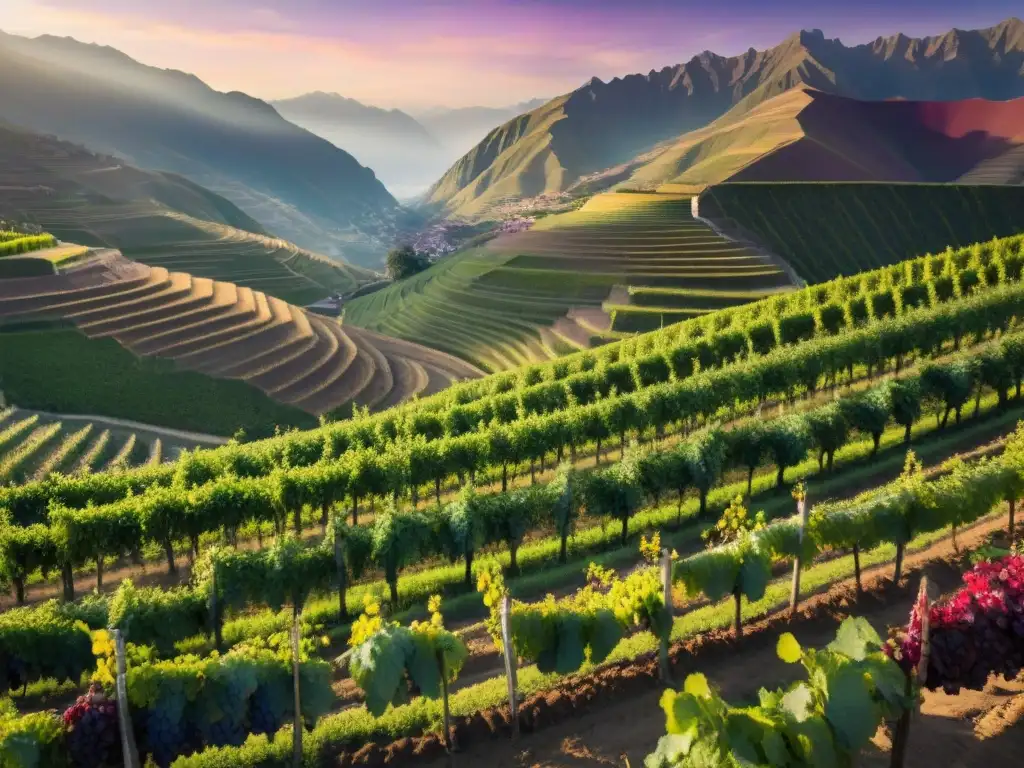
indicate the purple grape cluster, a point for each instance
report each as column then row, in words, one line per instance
column 93, row 739
column 976, row 633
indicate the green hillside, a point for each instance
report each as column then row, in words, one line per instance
column 825, row 230
column 159, row 218
column 61, row 370
column 533, row 295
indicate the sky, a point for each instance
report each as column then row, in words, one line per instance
column 415, row 54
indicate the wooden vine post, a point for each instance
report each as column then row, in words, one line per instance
column 901, row 737
column 218, row 639
column 129, row 752
column 801, row 504
column 511, row 662
column 296, row 669
column 447, row 722
column 666, row 592
column 339, row 562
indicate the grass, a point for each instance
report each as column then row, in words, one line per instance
column 65, row 372
column 826, row 230
column 505, row 304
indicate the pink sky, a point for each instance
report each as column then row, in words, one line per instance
column 419, row 53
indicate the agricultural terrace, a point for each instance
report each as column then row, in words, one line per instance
column 17, row 243
column 570, row 281
column 888, row 521
column 35, row 445
column 191, row 332
column 828, row 229
column 507, row 423
column 160, row 237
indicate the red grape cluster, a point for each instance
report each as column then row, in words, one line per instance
column 976, row 633
column 92, row 731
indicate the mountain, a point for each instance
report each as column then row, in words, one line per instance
column 157, row 217
column 296, row 184
column 401, row 151
column 601, row 125
column 459, row 129
column 807, row 135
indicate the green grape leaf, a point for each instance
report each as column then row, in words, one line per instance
column 773, row 745
column 697, row 686
column 889, row 680
column 682, row 712
column 798, row 702
column 789, row 649
column 769, row 700
column 856, row 638
column 422, row 665
column 812, row 739
column 605, row 634
column 570, row 644
column 755, row 573
column 850, row 710
column 714, row 573
column 745, row 732
column 378, row 667
column 671, row 751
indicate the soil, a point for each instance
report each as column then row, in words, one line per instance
column 611, row 716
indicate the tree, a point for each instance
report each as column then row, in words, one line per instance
column 905, row 397
column 565, row 505
column 787, row 440
column 464, row 527
column 704, row 454
column 352, row 548
column 869, row 413
column 616, row 493
column 747, row 448
column 949, row 383
column 828, row 429
column 404, row 261
column 508, row 518
column 23, row 551
column 164, row 513
column 398, row 538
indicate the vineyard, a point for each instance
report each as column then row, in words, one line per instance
column 16, row 243
column 825, row 230
column 35, row 446
column 478, row 501
column 569, row 280
column 194, row 335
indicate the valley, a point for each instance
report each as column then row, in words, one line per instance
column 554, row 434
column 567, row 281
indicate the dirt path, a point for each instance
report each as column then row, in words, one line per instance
column 613, row 729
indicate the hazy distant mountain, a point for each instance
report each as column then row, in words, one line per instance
column 400, row 151
column 42, row 178
column 601, row 125
column 294, row 183
column 461, row 128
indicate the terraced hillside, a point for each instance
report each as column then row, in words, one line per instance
column 159, row 218
column 829, row 229
column 622, row 263
column 222, row 330
column 35, row 445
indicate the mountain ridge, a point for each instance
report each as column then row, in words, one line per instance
column 293, row 182
column 600, row 125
